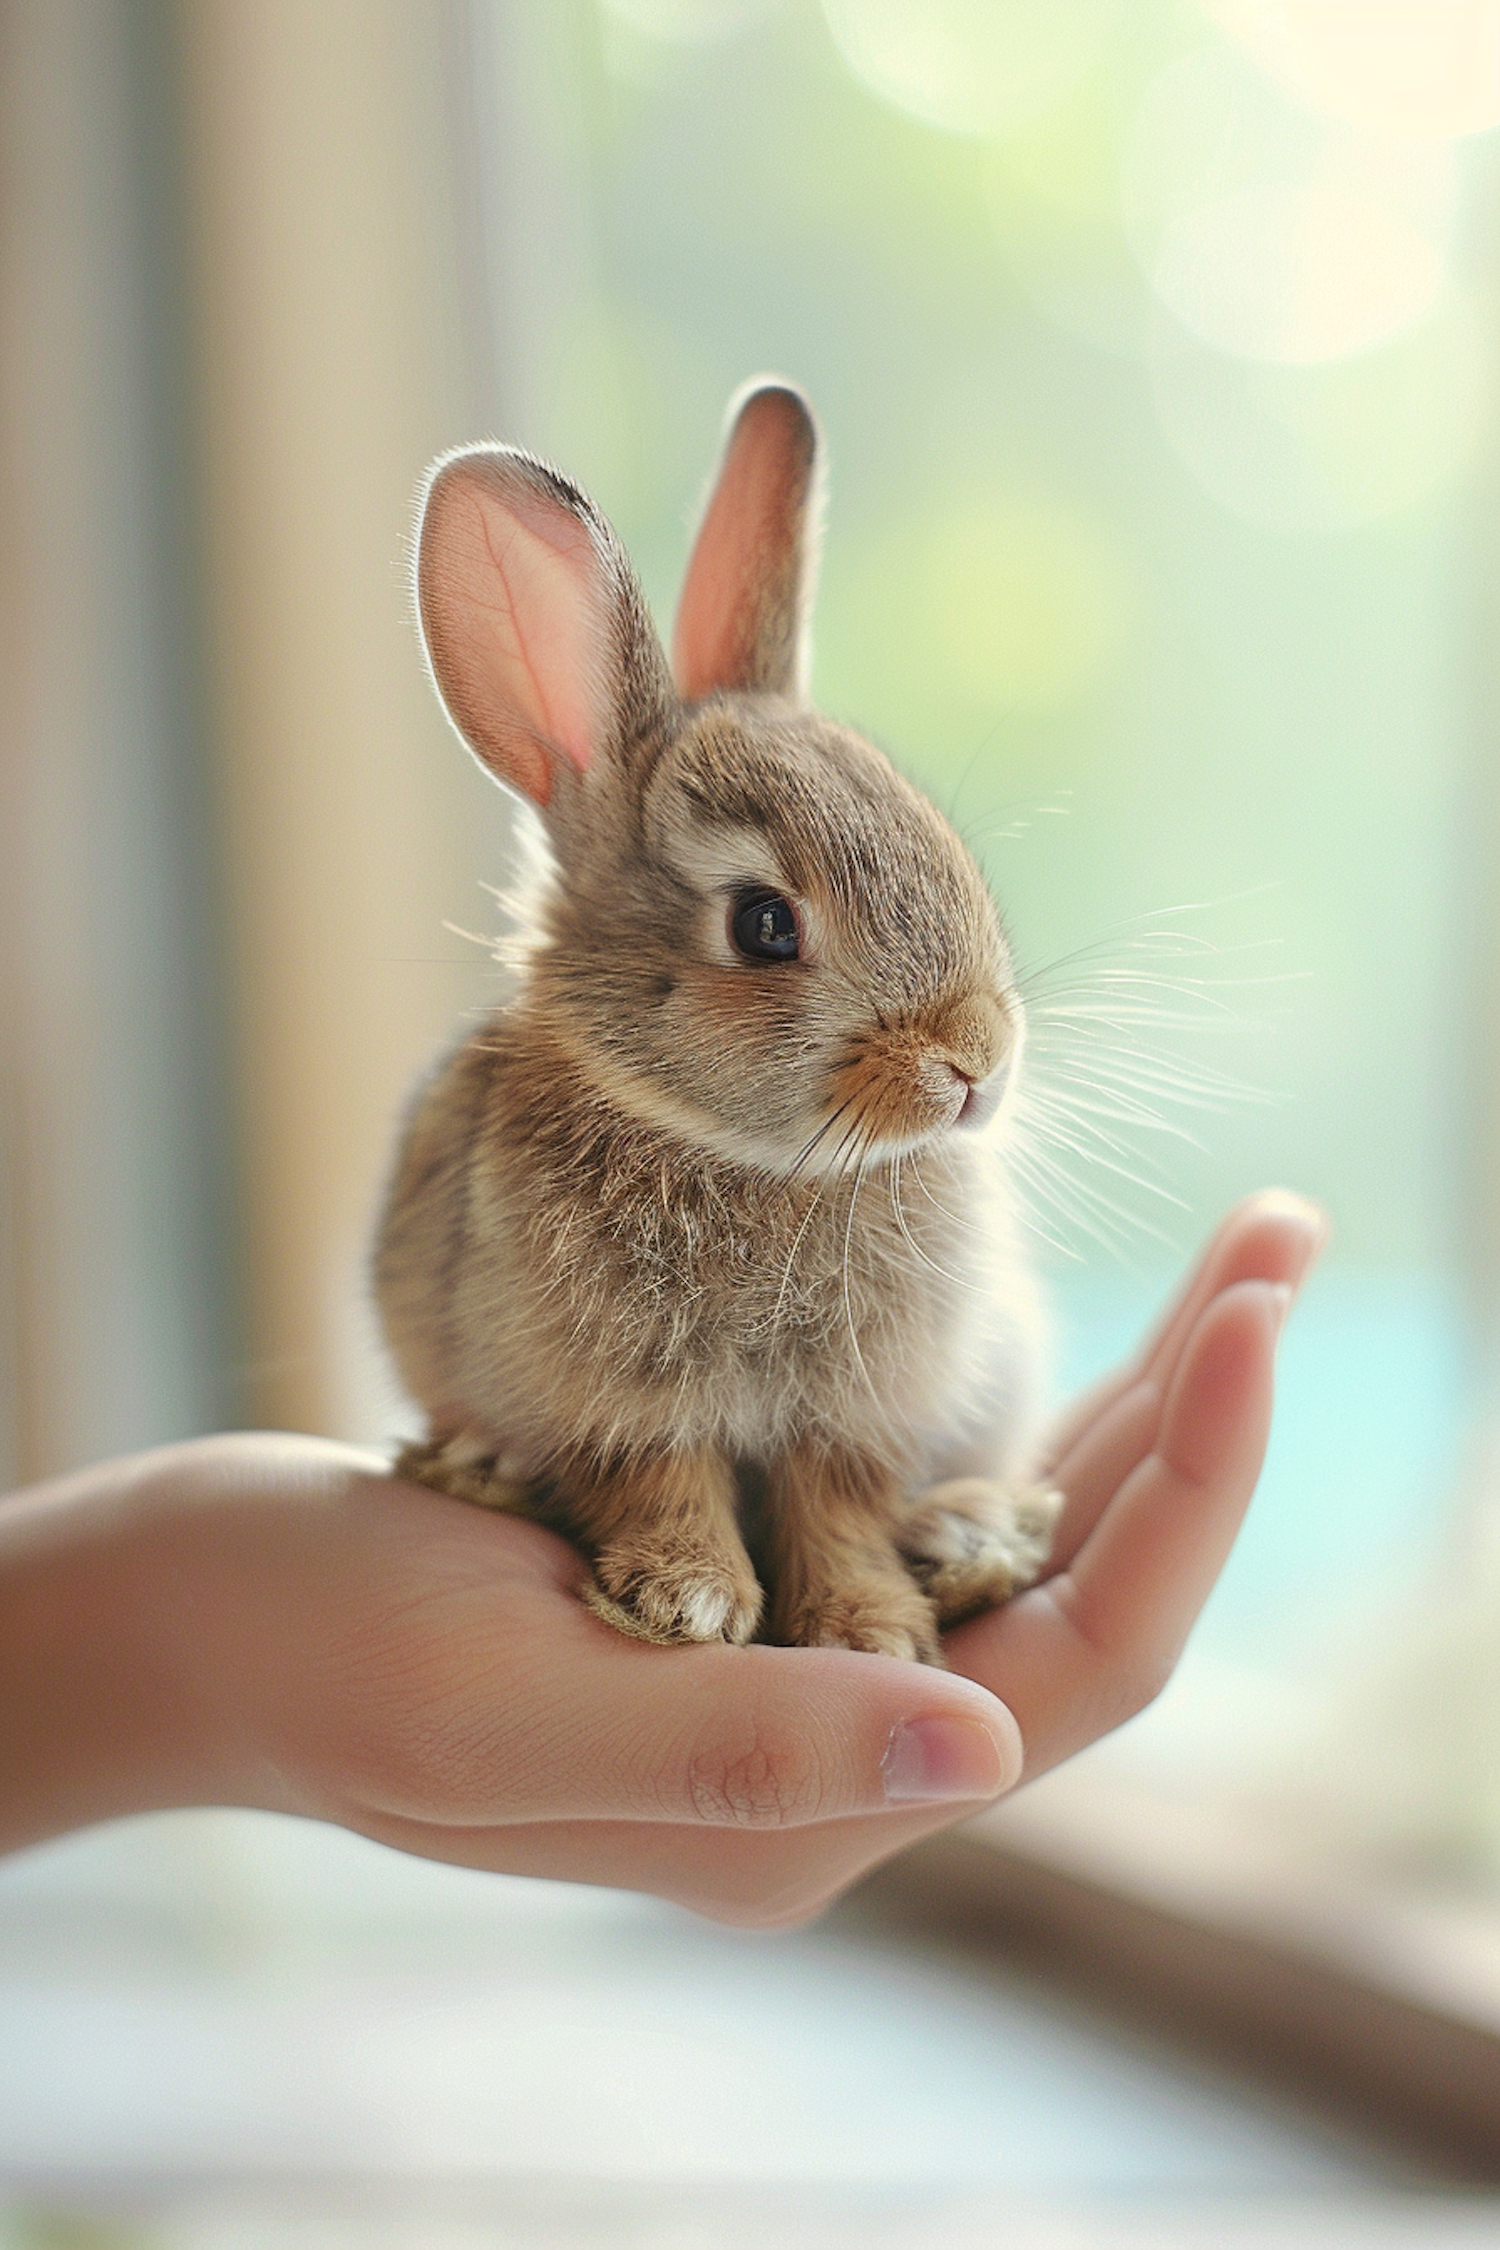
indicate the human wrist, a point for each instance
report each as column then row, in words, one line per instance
column 106, row 1706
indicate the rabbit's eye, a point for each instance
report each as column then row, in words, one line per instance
column 763, row 925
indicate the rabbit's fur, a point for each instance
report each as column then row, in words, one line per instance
column 686, row 1252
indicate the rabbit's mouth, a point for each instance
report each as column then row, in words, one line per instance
column 969, row 1101
column 898, row 1089
column 982, row 1099
column 911, row 1079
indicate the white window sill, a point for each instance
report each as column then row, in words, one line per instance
column 1375, row 1997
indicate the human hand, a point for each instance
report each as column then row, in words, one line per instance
column 277, row 1622
column 1157, row 1463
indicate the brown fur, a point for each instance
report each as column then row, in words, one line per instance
column 683, row 1247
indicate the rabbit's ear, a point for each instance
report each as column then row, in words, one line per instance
column 535, row 629
column 742, row 621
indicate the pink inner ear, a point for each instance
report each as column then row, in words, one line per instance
column 508, row 584
column 747, row 557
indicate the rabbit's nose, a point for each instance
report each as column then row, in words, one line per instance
column 983, row 1097
column 973, row 1035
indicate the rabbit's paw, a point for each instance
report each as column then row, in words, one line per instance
column 660, row 1592
column 971, row 1544
column 464, row 1466
column 879, row 1616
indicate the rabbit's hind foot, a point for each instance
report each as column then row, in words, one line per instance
column 465, row 1467
column 971, row 1544
column 839, row 1580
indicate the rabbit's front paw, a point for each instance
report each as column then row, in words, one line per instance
column 970, row 1544
column 657, row 1591
column 875, row 1613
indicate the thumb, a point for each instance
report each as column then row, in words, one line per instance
column 597, row 1727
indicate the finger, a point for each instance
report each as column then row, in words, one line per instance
column 1273, row 1237
column 1148, row 1566
column 1086, row 1650
column 750, row 1878
column 1095, row 1466
column 573, row 1721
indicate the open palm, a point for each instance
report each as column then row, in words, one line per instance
column 434, row 1682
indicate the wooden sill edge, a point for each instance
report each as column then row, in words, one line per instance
column 1378, row 2001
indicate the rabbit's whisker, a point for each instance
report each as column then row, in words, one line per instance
column 786, row 1271
column 1080, row 1201
column 851, row 1147
column 1031, row 1218
column 1105, row 1066
column 858, row 1178
column 1090, row 1150
column 1084, row 1118
column 1116, row 938
column 808, row 1146
column 1122, row 1109
column 1135, row 985
column 1103, row 1074
column 1125, row 1070
column 964, row 1226
column 833, row 1171
column 1042, row 1187
column 914, row 1246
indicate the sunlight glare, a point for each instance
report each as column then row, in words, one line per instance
column 1428, row 67
column 969, row 66
column 1325, row 447
column 1275, row 236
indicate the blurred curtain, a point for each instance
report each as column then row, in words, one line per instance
column 232, row 331
column 120, row 1299
column 333, row 365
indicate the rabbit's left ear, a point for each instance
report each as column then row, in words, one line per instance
column 742, row 621
column 534, row 626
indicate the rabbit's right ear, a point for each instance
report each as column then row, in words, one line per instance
column 534, row 627
column 742, row 620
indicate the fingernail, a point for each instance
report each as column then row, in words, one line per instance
column 941, row 1757
column 1310, row 1219
column 1282, row 1294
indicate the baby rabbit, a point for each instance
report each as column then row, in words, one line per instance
column 701, row 1248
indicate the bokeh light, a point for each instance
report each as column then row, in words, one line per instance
column 970, row 66
column 981, row 607
column 1426, row 67
column 1273, row 236
column 1296, row 274
column 693, row 22
column 1053, row 192
column 1326, row 447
